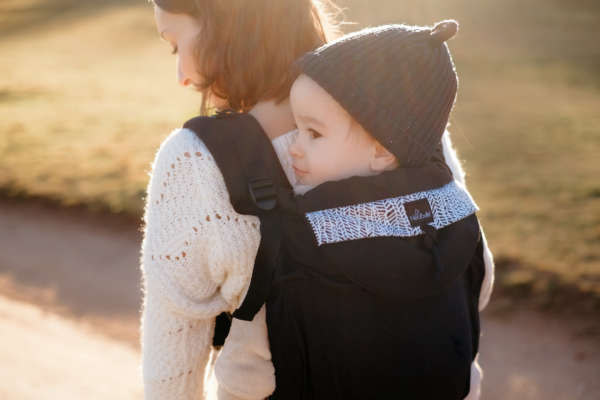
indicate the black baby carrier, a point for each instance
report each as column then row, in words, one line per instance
column 371, row 284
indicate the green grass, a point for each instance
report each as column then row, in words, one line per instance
column 87, row 92
column 85, row 99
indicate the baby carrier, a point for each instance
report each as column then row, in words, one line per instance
column 371, row 284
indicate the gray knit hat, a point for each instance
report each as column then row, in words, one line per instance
column 397, row 81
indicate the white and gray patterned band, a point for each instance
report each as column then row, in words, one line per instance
column 387, row 217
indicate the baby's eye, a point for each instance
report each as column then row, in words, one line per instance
column 314, row 134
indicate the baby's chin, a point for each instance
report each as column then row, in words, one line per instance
column 301, row 189
column 300, row 186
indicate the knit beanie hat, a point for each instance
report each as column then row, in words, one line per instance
column 397, row 81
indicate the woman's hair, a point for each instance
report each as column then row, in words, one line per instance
column 246, row 48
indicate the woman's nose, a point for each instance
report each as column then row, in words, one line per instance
column 181, row 78
column 184, row 82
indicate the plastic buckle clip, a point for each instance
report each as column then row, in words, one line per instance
column 263, row 193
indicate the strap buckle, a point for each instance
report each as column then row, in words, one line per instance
column 263, row 193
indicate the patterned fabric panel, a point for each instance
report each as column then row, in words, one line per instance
column 387, row 217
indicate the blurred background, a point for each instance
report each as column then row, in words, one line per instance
column 88, row 91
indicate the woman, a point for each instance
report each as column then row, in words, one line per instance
column 198, row 253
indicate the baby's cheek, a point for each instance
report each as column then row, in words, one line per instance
column 334, row 169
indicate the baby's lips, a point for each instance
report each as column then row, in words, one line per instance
column 299, row 171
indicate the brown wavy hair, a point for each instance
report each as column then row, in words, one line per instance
column 246, row 48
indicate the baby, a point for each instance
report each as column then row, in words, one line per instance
column 387, row 301
column 330, row 144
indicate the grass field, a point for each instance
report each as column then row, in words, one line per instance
column 87, row 92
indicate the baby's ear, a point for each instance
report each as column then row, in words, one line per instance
column 382, row 159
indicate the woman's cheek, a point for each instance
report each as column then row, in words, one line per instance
column 185, row 67
column 188, row 63
column 180, row 74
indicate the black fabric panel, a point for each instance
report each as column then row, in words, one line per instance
column 332, row 340
column 476, row 275
column 366, row 319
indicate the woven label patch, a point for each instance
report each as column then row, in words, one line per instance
column 418, row 212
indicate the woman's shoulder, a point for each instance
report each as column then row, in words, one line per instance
column 185, row 175
column 189, row 142
column 183, row 152
column 206, row 145
column 181, row 142
column 188, row 212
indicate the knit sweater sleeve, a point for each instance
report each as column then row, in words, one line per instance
column 196, row 259
column 458, row 173
column 487, row 286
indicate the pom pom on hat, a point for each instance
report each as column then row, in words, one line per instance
column 444, row 30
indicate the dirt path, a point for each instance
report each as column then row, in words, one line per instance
column 69, row 312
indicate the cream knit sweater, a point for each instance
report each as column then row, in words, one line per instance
column 196, row 260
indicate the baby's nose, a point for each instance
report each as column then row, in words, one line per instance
column 295, row 150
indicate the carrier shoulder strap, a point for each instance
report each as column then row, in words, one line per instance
column 255, row 181
column 245, row 157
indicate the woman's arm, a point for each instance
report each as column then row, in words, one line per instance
column 244, row 369
column 488, row 280
column 196, row 259
column 459, row 175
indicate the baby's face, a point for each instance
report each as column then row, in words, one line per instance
column 330, row 145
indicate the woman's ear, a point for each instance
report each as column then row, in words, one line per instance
column 382, row 159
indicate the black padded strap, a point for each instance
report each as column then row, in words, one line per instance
column 255, row 182
column 244, row 154
column 222, row 327
column 264, row 268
